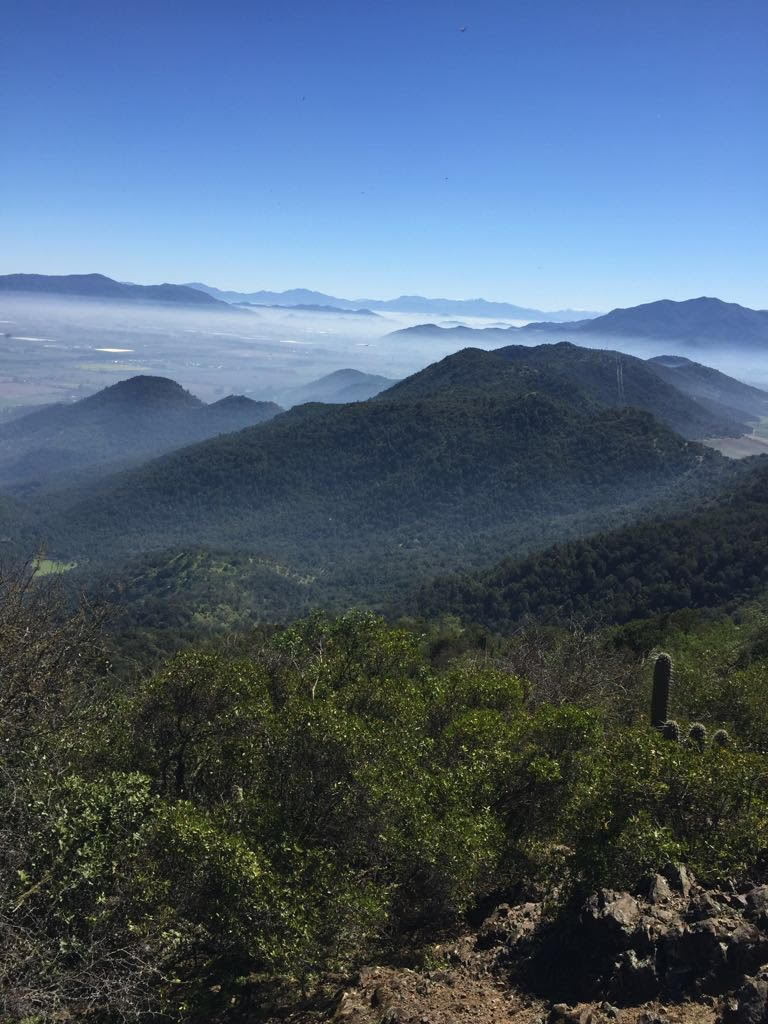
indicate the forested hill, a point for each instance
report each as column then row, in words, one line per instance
column 715, row 557
column 472, row 373
column 431, row 484
column 616, row 379
column 130, row 421
column 577, row 375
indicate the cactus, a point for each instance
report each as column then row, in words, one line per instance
column 721, row 738
column 697, row 735
column 670, row 730
column 662, row 676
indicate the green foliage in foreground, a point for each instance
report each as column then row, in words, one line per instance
column 310, row 801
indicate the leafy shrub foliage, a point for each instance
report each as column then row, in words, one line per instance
column 299, row 804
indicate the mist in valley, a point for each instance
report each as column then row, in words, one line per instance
column 57, row 349
column 60, row 349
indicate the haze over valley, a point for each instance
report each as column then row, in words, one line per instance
column 59, row 345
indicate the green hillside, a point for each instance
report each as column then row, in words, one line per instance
column 714, row 557
column 581, row 376
column 479, row 457
column 385, row 478
column 616, row 380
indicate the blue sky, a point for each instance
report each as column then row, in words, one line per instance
column 586, row 153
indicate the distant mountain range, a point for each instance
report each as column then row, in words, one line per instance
column 97, row 286
column 703, row 322
column 127, row 423
column 198, row 294
column 402, row 304
column 308, row 307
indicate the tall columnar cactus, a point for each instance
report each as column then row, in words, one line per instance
column 662, row 677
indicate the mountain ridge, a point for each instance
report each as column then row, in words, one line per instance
column 98, row 286
column 403, row 303
column 702, row 320
column 696, row 322
column 574, row 373
column 426, row 475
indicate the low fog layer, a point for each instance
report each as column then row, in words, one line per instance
column 58, row 349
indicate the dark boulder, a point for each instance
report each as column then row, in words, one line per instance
column 610, row 920
column 634, row 980
column 757, row 906
column 749, row 1005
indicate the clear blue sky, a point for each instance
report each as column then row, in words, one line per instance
column 586, row 153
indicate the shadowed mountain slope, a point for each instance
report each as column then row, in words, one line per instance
column 442, row 480
column 704, row 559
column 130, row 421
column 711, row 387
column 479, row 457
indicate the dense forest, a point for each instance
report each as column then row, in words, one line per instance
column 479, row 458
column 474, row 459
column 715, row 557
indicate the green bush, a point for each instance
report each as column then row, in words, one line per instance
column 645, row 802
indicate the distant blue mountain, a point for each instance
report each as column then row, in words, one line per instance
column 402, row 304
column 702, row 322
column 308, row 307
column 97, row 286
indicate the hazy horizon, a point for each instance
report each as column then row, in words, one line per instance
column 351, row 297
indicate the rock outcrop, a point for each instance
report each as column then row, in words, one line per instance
column 672, row 952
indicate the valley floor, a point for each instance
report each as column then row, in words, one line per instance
column 738, row 447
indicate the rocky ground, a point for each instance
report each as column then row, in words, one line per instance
column 673, row 953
